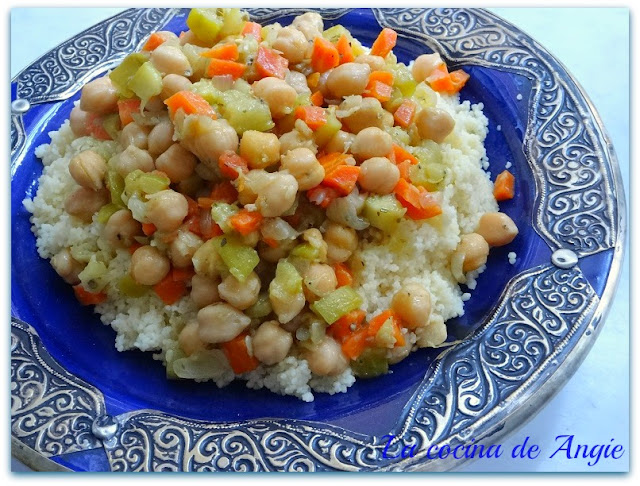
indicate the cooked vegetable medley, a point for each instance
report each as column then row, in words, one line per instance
column 252, row 164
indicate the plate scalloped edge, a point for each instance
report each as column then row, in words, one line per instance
column 548, row 315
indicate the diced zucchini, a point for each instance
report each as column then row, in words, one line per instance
column 262, row 307
column 206, row 24
column 333, row 34
column 240, row 259
column 383, row 212
column 146, row 83
column 395, row 101
column 145, row 182
column 426, row 97
column 246, row 112
column 306, row 251
column 198, row 63
column 402, row 78
column 115, row 183
column 205, row 88
column 127, row 69
column 233, row 21
column 399, row 136
column 371, row 363
column 385, row 337
column 106, row 212
column 94, row 276
column 287, row 278
column 326, row 132
column 430, row 170
column 111, row 125
column 221, row 212
column 129, row 287
column 336, row 304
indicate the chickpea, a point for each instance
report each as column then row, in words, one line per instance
column 208, row 139
column 120, row 229
column 272, row 255
column 170, row 60
column 371, row 142
column 219, row 323
column 148, row 265
column 434, row 124
column 131, row 159
column 183, row 247
column 277, row 94
column 369, row 113
column 322, row 84
column 348, row 79
column 271, row 343
column 189, row 339
column 204, row 290
column 277, row 197
column 378, row 175
column 99, row 96
column 292, row 43
column 412, row 303
column 155, row 106
column 177, row 162
column 79, row 122
column 83, row 203
column 240, row 295
column 341, row 242
column 497, row 229
column 376, row 63
column 160, row 138
column 297, row 81
column 475, row 250
column 259, row 149
column 434, row 334
column 67, row 267
column 286, row 306
column 166, row 210
column 134, row 134
column 326, row 358
column 304, row 166
column 310, row 24
column 294, row 139
column 315, row 239
column 424, row 65
column 340, row 142
column 207, row 261
column 251, row 184
column 88, row 169
column 172, row 83
column 319, row 280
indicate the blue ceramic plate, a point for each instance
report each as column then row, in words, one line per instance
column 78, row 402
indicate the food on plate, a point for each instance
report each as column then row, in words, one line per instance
column 279, row 204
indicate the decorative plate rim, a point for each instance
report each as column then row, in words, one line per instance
column 357, row 447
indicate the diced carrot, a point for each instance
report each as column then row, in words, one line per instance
column 405, row 113
column 245, row 222
column 317, row 99
column 169, row 290
column 385, row 42
column 330, row 161
column 313, row 116
column 343, row 274
column 191, row 103
column 322, row 195
column 221, row 67
column 401, row 154
column 379, row 90
column 440, row 79
column 270, row 64
column 182, row 274
column 356, row 343
column 346, row 325
column 148, row 228
column 272, row 242
column 313, row 80
column 225, row 192
column 420, row 204
column 155, row 40
column 344, row 49
column 126, row 108
column 385, row 77
column 227, row 52
column 405, row 169
column 96, row 128
column 324, row 56
column 504, row 187
column 232, row 165
column 376, row 322
column 238, row 355
column 342, row 178
column 254, row 29
column 458, row 79
column 88, row 298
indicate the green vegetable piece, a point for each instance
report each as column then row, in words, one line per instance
column 336, row 304
column 145, row 182
column 127, row 69
column 402, row 79
column 383, row 212
column 385, row 337
column 239, row 259
column 371, row 363
column 146, row 83
column 115, row 183
column 172, row 356
column 303, row 99
column 426, row 96
column 234, row 20
column 94, row 276
column 430, row 169
column 112, row 125
column 208, row 91
column 221, row 212
column 198, row 63
column 306, row 251
column 333, row 34
column 262, row 307
column 287, row 278
column 395, row 101
column 328, row 130
column 106, row 212
column 129, row 287
column 206, row 24
column 246, row 112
